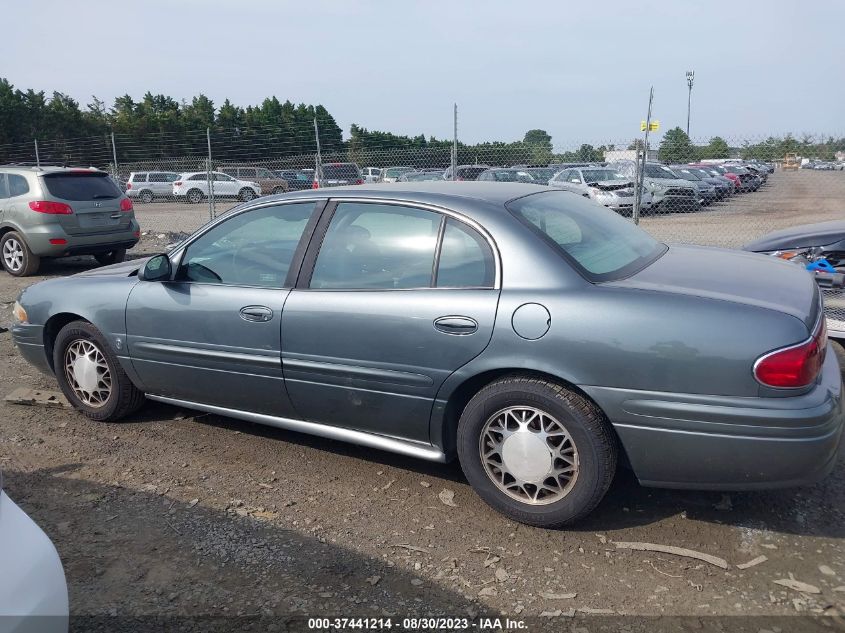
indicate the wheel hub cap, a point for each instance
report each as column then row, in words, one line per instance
column 13, row 254
column 529, row 455
column 526, row 456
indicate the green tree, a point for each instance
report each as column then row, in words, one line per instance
column 676, row 147
column 716, row 148
column 539, row 138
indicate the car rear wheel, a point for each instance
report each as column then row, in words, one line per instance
column 278, row 190
column 112, row 257
column 246, row 194
column 90, row 375
column 195, row 196
column 17, row 259
column 535, row 451
column 146, row 196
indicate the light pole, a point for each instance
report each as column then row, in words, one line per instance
column 690, row 80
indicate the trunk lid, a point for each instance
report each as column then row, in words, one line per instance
column 735, row 276
column 94, row 198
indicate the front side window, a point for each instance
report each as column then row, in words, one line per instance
column 377, row 246
column 139, row 178
column 466, row 260
column 4, row 189
column 254, row 248
column 600, row 244
column 222, row 178
column 245, row 172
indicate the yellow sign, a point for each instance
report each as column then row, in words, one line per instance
column 653, row 126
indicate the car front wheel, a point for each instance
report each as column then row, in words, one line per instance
column 90, row 375
column 246, row 194
column 535, row 451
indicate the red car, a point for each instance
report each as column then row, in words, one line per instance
column 720, row 170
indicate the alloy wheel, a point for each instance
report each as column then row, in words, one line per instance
column 13, row 254
column 88, row 373
column 529, row 455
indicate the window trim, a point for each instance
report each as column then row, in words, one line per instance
column 177, row 254
column 303, row 281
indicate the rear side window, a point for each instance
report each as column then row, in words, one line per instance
column 17, row 185
column 81, row 186
column 4, row 190
column 140, row 178
column 466, row 260
column 157, row 178
column 198, row 177
column 600, row 244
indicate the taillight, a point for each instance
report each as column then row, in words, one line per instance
column 359, row 181
column 178, row 183
column 58, row 241
column 53, row 208
column 128, row 186
column 795, row 366
column 315, row 185
column 125, row 204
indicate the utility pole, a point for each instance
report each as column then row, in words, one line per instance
column 690, row 80
column 212, row 210
column 37, row 157
column 455, row 146
column 318, row 161
column 640, row 173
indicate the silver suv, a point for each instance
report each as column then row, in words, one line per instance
column 146, row 186
column 59, row 211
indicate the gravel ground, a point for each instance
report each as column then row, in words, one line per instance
column 171, row 514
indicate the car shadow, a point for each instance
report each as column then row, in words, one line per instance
column 141, row 561
column 817, row 510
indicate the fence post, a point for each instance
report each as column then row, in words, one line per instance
column 212, row 211
column 318, row 160
column 455, row 145
column 114, row 156
column 639, row 172
column 37, row 156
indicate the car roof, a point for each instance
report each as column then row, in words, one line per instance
column 46, row 169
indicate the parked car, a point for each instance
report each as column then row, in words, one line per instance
column 465, row 172
column 33, row 590
column 338, row 175
column 808, row 244
column 760, row 172
column 605, row 185
column 297, row 179
column 727, row 173
column 392, row 174
column 48, row 212
column 268, row 181
column 505, row 174
column 541, row 175
column 371, row 174
column 146, row 186
column 706, row 190
column 420, row 176
column 749, row 181
column 194, row 187
column 669, row 193
column 725, row 186
column 473, row 319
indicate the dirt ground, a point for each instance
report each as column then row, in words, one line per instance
column 176, row 514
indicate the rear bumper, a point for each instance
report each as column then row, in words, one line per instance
column 38, row 240
column 729, row 443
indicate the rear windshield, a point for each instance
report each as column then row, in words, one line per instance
column 395, row 172
column 659, row 171
column 341, row 172
column 600, row 244
column 71, row 185
column 470, row 172
column 602, row 175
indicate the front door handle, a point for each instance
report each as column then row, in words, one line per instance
column 458, row 325
column 260, row 314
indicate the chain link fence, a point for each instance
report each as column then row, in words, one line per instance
column 719, row 192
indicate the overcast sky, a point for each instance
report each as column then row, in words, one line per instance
column 580, row 70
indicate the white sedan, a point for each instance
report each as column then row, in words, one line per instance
column 33, row 591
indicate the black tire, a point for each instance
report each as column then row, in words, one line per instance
column 279, row 190
column 112, row 257
column 246, row 194
column 586, row 425
column 123, row 397
column 194, row 196
column 839, row 350
column 146, row 196
column 17, row 259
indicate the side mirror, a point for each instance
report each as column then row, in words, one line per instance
column 157, row 268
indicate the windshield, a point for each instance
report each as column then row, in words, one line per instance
column 599, row 243
column 659, row 171
column 601, row 175
column 687, row 174
column 81, row 185
column 541, row 173
column 395, row 172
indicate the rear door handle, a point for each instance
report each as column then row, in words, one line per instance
column 260, row 314
column 458, row 325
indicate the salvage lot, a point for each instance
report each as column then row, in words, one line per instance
column 168, row 513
